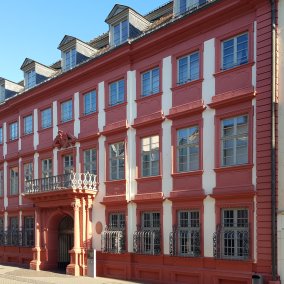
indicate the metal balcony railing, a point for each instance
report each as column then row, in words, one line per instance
column 17, row 238
column 147, row 242
column 231, row 242
column 71, row 180
column 113, row 240
column 185, row 242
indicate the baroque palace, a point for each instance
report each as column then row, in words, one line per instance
column 151, row 152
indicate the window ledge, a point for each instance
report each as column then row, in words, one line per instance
column 141, row 99
column 149, row 178
column 12, row 141
column 27, row 135
column 65, row 122
column 185, row 174
column 234, row 69
column 116, row 181
column 188, row 84
column 233, row 168
column 116, row 106
column 44, row 129
column 88, row 116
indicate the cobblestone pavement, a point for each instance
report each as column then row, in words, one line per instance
column 16, row 275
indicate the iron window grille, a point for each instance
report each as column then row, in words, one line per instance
column 185, row 238
column 232, row 238
column 113, row 237
column 147, row 239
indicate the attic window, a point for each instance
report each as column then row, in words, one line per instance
column 120, row 32
column 186, row 5
column 30, row 79
column 70, row 59
column 2, row 93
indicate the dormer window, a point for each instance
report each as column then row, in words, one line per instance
column 2, row 93
column 120, row 32
column 30, row 79
column 70, row 59
column 74, row 52
column 182, row 6
column 8, row 89
column 124, row 23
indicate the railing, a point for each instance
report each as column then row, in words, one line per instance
column 17, row 238
column 231, row 242
column 113, row 240
column 194, row 7
column 147, row 242
column 66, row 181
column 185, row 242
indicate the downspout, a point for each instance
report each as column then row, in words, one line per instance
column 273, row 145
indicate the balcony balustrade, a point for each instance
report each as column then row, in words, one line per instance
column 81, row 181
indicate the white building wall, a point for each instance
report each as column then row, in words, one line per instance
column 209, row 176
column 4, row 139
column 280, row 218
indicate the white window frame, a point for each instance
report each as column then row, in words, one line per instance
column 235, row 51
column 189, row 76
column 14, row 131
column 14, row 181
column 68, row 164
column 70, row 56
column 188, row 146
column 28, row 172
column 115, row 94
column 67, row 111
column 46, row 118
column 120, row 27
column 90, row 102
column 30, row 79
column 153, row 153
column 152, row 90
column 117, row 161
column 234, row 138
column 46, row 168
column 28, row 124
column 90, row 161
column 119, row 223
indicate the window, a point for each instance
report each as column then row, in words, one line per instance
column 28, row 124
column 147, row 241
column 188, row 68
column 186, row 5
column 1, row 183
column 90, row 161
column 28, row 171
column 14, row 131
column 120, row 32
column 70, row 59
column 117, row 151
column 234, row 141
column 14, row 181
column 28, row 233
column 235, row 51
column 13, row 232
column 1, row 135
column 46, row 119
column 150, row 156
column 66, row 111
column 185, row 240
column 116, row 93
column 68, row 164
column 2, row 93
column 188, row 149
column 151, row 82
column 46, row 168
column 232, row 237
column 113, row 238
column 90, row 102
column 30, row 79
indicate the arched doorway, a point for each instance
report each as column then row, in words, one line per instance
column 65, row 241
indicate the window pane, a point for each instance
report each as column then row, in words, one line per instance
column 28, row 124
column 90, row 102
column 46, row 118
column 14, row 131
column 66, row 111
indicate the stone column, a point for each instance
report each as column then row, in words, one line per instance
column 35, row 263
column 73, row 268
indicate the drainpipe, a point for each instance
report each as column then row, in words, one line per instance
column 273, row 145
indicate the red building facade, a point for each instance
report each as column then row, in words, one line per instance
column 150, row 145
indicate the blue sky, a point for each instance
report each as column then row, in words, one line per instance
column 34, row 28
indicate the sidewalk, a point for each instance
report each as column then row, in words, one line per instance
column 16, row 275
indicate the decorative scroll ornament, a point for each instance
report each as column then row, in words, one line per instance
column 64, row 140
